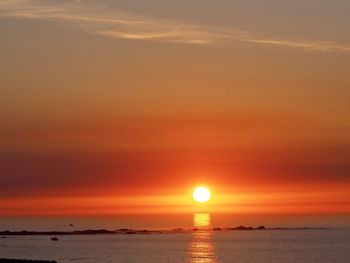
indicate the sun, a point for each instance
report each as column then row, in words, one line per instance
column 201, row 194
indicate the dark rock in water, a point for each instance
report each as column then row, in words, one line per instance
column 54, row 239
column 94, row 232
column 79, row 232
column 3, row 237
column 129, row 233
column 217, row 228
column 25, row 261
column 122, row 230
column 178, row 230
column 244, row 228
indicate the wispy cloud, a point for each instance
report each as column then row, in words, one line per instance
column 306, row 45
column 97, row 18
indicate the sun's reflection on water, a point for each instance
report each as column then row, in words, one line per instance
column 201, row 220
column 201, row 248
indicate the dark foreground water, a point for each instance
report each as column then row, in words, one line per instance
column 327, row 245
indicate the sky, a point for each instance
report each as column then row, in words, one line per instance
column 116, row 107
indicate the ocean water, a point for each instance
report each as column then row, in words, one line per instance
column 204, row 246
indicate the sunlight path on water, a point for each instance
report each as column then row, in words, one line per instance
column 201, row 249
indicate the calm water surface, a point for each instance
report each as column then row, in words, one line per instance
column 198, row 247
column 202, row 246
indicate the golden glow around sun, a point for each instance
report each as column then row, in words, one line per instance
column 201, row 194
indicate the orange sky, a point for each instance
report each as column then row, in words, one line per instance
column 125, row 108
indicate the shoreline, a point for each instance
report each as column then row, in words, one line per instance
column 126, row 231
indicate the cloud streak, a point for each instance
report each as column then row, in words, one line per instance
column 97, row 17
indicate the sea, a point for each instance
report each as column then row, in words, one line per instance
column 314, row 245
